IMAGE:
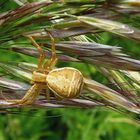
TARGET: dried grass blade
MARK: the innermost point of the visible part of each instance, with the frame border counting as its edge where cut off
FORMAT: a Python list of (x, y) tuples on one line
[(23, 10), (12, 84), (112, 26), (110, 95), (15, 71)]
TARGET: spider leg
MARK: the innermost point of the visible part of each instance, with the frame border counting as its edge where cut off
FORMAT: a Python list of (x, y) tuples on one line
[(29, 97), (34, 91), (47, 93), (52, 61), (41, 53)]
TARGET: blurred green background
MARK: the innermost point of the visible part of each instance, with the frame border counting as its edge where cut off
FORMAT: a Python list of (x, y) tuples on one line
[(69, 123)]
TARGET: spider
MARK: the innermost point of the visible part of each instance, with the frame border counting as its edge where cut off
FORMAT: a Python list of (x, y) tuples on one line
[(66, 82)]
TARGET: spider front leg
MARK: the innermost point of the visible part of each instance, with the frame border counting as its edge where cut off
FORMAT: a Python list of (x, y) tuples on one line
[(41, 53), (29, 97), (52, 61), (34, 91)]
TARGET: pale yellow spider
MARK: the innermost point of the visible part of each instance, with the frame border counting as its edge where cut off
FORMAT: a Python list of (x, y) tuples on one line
[(66, 82)]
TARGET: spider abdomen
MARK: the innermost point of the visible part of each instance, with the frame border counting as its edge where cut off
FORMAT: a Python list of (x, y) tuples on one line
[(66, 82)]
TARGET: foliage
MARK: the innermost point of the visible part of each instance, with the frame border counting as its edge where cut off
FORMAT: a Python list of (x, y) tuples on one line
[(109, 105)]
